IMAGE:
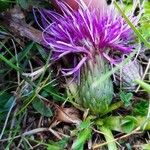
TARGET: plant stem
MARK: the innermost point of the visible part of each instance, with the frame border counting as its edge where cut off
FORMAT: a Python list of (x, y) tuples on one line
[(109, 138)]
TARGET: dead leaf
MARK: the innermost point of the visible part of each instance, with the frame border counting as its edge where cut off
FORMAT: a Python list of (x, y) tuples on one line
[(68, 115)]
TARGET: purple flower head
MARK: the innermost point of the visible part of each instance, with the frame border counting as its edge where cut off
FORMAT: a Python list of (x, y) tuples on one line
[(86, 33)]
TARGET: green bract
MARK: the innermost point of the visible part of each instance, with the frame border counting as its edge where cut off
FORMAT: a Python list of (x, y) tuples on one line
[(96, 97)]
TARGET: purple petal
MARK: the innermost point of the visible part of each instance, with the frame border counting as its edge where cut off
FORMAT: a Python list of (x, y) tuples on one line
[(72, 71)]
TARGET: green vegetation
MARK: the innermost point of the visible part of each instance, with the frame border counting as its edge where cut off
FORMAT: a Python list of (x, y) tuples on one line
[(40, 109)]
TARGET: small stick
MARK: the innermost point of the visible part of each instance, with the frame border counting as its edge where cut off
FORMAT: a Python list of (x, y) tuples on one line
[(16, 24)]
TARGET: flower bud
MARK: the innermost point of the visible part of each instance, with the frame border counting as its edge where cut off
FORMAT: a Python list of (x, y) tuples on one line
[(128, 74), (95, 91)]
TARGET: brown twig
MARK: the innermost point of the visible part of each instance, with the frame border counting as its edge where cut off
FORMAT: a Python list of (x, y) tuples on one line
[(14, 21)]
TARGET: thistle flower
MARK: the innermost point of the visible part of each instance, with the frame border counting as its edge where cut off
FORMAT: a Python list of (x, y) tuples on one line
[(96, 37)]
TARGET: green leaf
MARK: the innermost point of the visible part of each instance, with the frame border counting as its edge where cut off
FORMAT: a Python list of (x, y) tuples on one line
[(50, 89), (144, 85), (4, 97), (42, 52), (83, 134), (6, 101), (21, 55), (128, 124), (127, 2), (140, 108), (53, 147), (8, 62), (145, 19), (127, 5), (109, 138), (136, 31), (126, 98), (9, 102), (81, 139), (60, 145), (146, 146), (41, 108), (4, 4), (85, 124), (23, 3)]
